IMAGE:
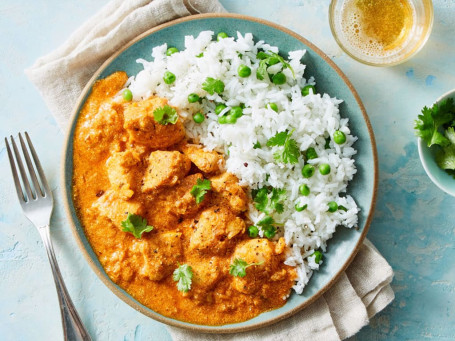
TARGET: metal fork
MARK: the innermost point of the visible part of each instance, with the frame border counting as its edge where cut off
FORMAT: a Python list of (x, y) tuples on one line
[(37, 203)]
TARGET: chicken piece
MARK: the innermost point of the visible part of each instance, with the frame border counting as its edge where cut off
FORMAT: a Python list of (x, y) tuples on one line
[(184, 202), (207, 272), (121, 173), (103, 118), (260, 252), (158, 255), (215, 230), (165, 169), (227, 186), (143, 129), (206, 161), (116, 209)]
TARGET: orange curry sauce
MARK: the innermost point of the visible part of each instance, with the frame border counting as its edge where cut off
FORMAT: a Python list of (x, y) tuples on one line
[(125, 162)]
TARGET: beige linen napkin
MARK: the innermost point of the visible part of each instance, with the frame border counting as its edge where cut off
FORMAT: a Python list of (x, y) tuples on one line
[(361, 292)]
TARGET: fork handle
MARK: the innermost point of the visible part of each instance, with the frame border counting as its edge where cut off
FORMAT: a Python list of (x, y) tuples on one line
[(73, 329)]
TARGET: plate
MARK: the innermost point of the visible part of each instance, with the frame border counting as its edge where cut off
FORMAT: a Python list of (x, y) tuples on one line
[(346, 242)]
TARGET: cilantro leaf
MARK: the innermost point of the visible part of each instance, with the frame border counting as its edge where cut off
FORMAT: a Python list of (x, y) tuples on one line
[(267, 225), (198, 191), (165, 115), (261, 72), (432, 119), (239, 266), (212, 85), (290, 152), (285, 64), (267, 201), (277, 198), (257, 145), (183, 276), (278, 140), (136, 225), (445, 157), (268, 60)]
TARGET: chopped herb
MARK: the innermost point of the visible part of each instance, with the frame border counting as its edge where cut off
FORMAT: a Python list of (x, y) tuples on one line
[(445, 158), (238, 268), (436, 127), (267, 201), (200, 55), (198, 191), (268, 59), (136, 225), (212, 85), (165, 115), (428, 124), (183, 276), (257, 145), (290, 152), (342, 208), (268, 227)]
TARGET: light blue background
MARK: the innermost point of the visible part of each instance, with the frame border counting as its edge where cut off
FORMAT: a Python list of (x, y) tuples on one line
[(413, 227)]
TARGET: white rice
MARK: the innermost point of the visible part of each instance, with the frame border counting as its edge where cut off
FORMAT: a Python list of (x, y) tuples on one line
[(314, 118)]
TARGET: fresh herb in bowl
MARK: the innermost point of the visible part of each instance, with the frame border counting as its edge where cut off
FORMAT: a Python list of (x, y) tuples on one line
[(436, 126)]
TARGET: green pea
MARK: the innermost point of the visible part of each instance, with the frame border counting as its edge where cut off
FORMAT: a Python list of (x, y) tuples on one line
[(339, 137), (270, 232), (306, 90), (221, 35), (193, 98), (317, 256), (169, 77), (231, 119), (273, 106), (308, 171), (127, 95), (279, 78), (324, 168), (219, 108), (171, 50), (253, 231), (243, 71), (198, 117), (300, 207), (311, 153), (304, 189), (273, 60), (262, 55), (222, 119), (237, 112), (333, 206)]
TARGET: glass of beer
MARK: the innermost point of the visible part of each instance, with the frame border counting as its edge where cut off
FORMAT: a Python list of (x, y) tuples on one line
[(381, 32)]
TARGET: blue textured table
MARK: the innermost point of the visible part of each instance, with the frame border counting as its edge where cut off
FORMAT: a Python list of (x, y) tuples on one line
[(413, 224)]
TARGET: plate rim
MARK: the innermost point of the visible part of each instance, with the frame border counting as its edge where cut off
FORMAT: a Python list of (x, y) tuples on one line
[(103, 276)]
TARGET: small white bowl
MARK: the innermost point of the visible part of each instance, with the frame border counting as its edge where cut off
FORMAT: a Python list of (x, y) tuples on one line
[(427, 156)]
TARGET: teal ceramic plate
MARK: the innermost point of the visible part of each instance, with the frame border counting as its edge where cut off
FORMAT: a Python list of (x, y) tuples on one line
[(346, 242)]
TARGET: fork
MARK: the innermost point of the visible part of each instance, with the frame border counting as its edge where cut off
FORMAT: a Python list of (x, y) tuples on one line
[(37, 203)]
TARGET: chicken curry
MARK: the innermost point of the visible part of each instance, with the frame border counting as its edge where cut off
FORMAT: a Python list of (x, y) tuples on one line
[(166, 223)]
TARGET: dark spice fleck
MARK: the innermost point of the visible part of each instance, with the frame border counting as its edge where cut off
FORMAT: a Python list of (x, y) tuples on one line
[(246, 164), (99, 193)]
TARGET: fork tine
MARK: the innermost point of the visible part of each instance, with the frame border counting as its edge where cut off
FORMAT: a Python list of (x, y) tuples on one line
[(47, 190), (17, 183), (28, 189), (31, 170)]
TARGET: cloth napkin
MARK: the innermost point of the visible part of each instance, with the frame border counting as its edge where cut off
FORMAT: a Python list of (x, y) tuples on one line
[(361, 291)]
